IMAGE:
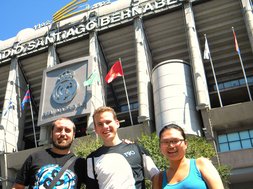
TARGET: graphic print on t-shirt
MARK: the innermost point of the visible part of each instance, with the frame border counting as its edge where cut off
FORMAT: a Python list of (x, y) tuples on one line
[(47, 173)]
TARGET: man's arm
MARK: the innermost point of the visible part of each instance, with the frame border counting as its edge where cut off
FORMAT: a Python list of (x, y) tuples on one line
[(23, 174), (150, 168), (18, 186)]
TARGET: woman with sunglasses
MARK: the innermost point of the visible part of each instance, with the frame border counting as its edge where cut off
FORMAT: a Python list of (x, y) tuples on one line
[(183, 173)]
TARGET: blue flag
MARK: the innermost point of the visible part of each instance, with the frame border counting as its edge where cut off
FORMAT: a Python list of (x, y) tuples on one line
[(26, 99)]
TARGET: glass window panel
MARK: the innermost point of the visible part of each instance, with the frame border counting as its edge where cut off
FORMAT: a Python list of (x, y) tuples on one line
[(221, 86), (214, 88), (235, 83), (244, 134), (235, 145), (233, 136), (251, 133), (242, 81), (246, 144), (124, 108), (231, 84), (227, 85), (224, 147), (222, 138), (250, 79), (135, 105)]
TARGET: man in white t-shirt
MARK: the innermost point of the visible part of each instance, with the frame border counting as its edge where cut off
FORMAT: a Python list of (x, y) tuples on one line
[(109, 166)]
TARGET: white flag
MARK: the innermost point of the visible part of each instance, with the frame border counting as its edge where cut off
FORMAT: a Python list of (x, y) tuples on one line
[(206, 51), (10, 107), (91, 79)]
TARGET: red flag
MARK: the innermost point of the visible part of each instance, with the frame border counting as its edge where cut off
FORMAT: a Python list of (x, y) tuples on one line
[(115, 71), (236, 43)]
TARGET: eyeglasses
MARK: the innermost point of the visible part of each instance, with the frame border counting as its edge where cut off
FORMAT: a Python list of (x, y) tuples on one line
[(173, 142)]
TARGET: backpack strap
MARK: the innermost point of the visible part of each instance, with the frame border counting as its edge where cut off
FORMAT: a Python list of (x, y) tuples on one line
[(157, 181), (160, 179), (58, 176), (142, 164), (93, 168)]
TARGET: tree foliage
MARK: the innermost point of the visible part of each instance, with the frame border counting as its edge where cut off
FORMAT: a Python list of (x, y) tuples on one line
[(85, 146)]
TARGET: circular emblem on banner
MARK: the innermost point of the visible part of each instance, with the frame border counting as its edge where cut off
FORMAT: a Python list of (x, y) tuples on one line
[(65, 87)]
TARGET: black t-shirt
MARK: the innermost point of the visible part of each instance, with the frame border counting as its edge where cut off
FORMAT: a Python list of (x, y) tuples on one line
[(41, 167)]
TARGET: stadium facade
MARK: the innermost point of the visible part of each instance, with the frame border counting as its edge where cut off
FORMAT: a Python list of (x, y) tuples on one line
[(160, 44)]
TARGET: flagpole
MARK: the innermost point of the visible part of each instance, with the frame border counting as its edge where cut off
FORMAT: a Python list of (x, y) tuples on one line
[(211, 62), (31, 108), (239, 55), (129, 110)]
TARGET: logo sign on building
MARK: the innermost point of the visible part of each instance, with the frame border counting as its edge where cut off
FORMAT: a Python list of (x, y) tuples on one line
[(73, 8), (63, 93)]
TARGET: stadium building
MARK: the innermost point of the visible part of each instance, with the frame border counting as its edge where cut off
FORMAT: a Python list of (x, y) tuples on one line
[(160, 44)]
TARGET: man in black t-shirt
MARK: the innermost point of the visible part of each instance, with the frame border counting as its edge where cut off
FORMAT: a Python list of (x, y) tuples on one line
[(116, 165), (41, 167)]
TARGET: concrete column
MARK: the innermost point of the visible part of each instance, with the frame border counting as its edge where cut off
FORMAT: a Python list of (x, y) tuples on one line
[(199, 78), (248, 19), (96, 89), (52, 59), (12, 121), (11, 110), (4, 171), (210, 134), (21, 85), (144, 67)]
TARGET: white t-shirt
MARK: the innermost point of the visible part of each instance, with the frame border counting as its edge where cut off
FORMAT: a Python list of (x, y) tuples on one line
[(114, 166)]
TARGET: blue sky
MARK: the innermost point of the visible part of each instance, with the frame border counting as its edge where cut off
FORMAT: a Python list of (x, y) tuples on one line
[(16, 15)]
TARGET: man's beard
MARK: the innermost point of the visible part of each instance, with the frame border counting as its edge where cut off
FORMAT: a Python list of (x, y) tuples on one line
[(62, 147)]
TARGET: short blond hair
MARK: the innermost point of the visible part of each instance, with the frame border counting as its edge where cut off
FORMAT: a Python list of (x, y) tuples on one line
[(103, 109)]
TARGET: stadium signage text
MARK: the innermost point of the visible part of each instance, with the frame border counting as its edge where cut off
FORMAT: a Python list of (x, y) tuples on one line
[(82, 28), (62, 110)]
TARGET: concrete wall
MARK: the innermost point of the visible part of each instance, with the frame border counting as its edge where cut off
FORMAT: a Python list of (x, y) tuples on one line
[(241, 162), (237, 159)]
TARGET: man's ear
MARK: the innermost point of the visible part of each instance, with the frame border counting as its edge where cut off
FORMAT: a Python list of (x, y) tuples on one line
[(117, 122), (95, 128), (51, 137)]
